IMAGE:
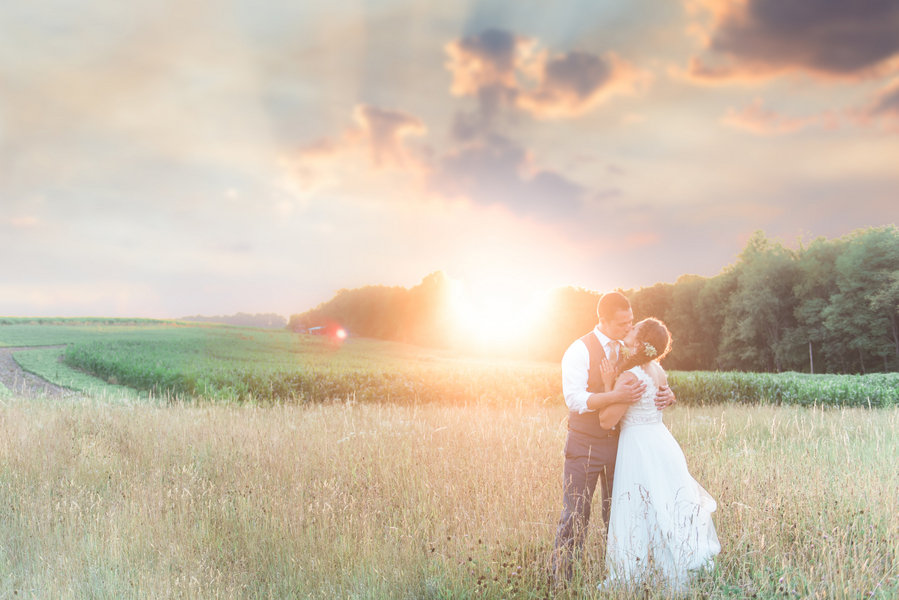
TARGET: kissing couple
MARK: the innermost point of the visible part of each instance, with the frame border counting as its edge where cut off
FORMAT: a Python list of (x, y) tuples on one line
[(657, 518)]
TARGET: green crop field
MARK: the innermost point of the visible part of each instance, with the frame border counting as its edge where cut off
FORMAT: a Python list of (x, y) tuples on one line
[(705, 387), (174, 360), (179, 360)]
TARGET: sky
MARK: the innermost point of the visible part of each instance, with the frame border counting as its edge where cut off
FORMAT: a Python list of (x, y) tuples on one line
[(163, 159)]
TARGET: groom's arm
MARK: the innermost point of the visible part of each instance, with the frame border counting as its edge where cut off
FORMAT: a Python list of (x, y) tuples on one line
[(664, 397), (575, 364)]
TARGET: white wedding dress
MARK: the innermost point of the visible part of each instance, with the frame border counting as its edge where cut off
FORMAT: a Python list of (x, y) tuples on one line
[(661, 527)]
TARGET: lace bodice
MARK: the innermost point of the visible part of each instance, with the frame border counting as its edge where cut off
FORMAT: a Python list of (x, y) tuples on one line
[(644, 410)]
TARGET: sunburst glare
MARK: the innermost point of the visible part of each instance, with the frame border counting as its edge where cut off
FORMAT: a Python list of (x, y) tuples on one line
[(493, 315)]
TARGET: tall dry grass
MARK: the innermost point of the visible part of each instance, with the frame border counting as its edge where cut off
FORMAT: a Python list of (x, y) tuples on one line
[(99, 500)]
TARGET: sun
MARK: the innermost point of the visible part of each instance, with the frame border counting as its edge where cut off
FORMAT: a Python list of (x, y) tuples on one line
[(489, 316)]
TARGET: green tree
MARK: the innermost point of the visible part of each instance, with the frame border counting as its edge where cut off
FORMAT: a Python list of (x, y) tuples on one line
[(695, 337), (862, 315), (760, 311), (815, 285), (653, 301), (712, 309), (371, 311), (836, 301), (428, 311)]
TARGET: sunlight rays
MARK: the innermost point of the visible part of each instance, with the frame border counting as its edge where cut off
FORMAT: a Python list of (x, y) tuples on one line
[(491, 315)]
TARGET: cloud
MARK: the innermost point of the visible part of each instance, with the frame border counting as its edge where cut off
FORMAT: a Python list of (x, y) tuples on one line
[(383, 131), (825, 38), (504, 70), (882, 109), (490, 59), (486, 66), (758, 119), (496, 170), (887, 102), (507, 74), (573, 83), (378, 134), (488, 169)]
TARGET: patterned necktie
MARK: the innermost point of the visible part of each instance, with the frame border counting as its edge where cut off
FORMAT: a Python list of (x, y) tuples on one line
[(613, 351)]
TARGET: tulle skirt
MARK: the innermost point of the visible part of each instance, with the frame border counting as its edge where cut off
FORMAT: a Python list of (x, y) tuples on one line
[(661, 530)]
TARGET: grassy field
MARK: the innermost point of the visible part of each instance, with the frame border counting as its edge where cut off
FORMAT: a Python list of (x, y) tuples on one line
[(350, 500), (400, 473)]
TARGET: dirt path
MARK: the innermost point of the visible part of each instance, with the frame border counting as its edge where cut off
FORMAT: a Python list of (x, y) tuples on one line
[(23, 383)]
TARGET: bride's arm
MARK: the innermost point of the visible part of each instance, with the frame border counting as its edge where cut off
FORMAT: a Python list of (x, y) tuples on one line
[(626, 392), (611, 414)]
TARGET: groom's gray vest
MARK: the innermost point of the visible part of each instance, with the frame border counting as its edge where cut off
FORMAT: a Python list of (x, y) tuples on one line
[(588, 422)]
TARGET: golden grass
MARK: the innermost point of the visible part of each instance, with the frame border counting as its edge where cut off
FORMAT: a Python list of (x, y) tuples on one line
[(103, 500)]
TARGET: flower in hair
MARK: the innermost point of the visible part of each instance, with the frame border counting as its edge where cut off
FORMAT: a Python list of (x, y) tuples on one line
[(649, 350)]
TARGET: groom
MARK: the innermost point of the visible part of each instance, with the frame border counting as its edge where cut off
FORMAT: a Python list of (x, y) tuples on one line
[(590, 450)]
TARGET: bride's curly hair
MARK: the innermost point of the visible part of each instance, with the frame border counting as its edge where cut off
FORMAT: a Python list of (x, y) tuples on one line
[(653, 343)]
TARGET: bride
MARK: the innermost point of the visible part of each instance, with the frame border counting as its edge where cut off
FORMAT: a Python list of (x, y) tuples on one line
[(661, 526)]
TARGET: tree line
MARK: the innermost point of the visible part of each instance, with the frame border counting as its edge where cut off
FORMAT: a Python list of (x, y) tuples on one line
[(829, 306)]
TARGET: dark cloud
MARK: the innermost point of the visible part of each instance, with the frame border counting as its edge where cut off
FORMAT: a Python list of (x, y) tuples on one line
[(837, 38), (504, 70), (572, 83), (578, 72), (507, 74), (490, 60), (494, 47), (467, 126), (495, 171), (485, 66), (493, 101)]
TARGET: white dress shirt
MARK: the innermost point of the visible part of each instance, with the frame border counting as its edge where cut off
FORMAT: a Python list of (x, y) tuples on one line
[(575, 367)]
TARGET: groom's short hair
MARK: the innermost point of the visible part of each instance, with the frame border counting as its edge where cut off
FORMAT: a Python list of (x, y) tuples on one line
[(610, 303)]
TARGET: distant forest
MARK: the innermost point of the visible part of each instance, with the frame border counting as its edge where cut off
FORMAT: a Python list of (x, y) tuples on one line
[(830, 306), (264, 320)]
